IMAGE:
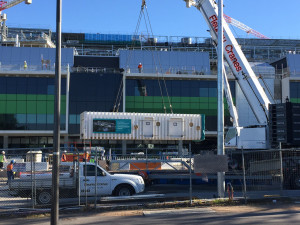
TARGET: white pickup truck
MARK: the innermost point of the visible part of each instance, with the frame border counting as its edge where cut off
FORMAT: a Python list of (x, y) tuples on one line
[(78, 182)]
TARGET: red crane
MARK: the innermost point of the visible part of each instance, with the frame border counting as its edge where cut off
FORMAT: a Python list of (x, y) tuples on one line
[(244, 27), (10, 3)]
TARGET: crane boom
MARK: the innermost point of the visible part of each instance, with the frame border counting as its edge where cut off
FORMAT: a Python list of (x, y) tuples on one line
[(244, 27), (10, 3)]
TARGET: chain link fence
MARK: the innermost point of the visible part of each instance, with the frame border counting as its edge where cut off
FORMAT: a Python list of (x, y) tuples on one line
[(84, 178)]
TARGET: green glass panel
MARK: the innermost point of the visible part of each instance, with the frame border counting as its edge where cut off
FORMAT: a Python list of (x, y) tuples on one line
[(130, 109), (2, 107), (31, 107), (148, 99), (41, 97), (21, 97), (185, 105), (21, 107), (63, 98), (157, 99), (194, 105), (139, 105), (139, 99), (2, 96), (130, 98), (203, 105), (194, 99), (213, 105), (50, 107), (176, 99), (176, 105), (158, 105), (11, 107), (63, 107), (203, 99), (50, 97), (11, 97), (129, 104), (213, 99), (148, 105), (31, 97), (42, 107)]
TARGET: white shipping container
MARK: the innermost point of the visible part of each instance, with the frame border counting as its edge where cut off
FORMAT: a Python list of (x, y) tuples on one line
[(141, 126)]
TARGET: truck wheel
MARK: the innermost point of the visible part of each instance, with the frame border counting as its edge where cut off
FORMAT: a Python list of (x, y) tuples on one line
[(44, 197), (124, 190)]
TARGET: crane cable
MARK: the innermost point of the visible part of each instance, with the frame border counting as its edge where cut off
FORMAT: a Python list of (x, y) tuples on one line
[(119, 96), (160, 66)]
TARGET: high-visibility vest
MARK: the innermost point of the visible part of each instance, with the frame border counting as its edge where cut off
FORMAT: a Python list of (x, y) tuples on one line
[(1, 158)]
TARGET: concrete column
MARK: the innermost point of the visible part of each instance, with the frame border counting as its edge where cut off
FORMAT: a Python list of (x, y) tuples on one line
[(5, 141), (180, 146)]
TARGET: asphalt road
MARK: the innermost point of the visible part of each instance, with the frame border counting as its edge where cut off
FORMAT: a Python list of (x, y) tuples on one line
[(207, 216)]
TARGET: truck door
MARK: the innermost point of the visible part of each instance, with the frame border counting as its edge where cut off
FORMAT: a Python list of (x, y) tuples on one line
[(87, 181)]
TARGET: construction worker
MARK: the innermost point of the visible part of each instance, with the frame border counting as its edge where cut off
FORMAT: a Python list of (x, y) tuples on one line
[(140, 67), (64, 156), (10, 173), (85, 156), (2, 159), (25, 65)]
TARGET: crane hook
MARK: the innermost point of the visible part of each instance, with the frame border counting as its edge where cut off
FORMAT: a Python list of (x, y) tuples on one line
[(143, 3)]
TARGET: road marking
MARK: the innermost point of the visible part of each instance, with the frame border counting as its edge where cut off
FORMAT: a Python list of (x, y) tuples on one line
[(177, 212)]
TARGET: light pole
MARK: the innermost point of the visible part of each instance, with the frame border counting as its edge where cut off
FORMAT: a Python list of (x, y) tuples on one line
[(221, 175), (56, 131)]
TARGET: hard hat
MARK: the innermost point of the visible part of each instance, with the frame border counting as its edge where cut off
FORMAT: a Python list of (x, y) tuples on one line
[(3, 152), (140, 63), (12, 161)]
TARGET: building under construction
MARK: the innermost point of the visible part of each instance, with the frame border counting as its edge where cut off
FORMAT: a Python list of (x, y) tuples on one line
[(100, 73)]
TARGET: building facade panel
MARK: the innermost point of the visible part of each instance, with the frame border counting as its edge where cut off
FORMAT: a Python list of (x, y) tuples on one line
[(27, 103)]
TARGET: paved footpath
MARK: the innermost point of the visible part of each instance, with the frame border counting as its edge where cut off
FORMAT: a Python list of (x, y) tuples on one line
[(272, 213)]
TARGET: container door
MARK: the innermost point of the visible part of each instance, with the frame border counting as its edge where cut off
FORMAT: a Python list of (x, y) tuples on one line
[(148, 127), (176, 127)]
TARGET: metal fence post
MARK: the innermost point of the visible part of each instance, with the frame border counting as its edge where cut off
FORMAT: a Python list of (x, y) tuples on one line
[(96, 175), (78, 176), (190, 151), (244, 176), (34, 183), (85, 175), (31, 178), (281, 170)]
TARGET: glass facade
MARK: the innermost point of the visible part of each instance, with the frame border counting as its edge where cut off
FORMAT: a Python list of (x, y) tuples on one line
[(27, 103), (92, 92), (295, 92), (186, 96)]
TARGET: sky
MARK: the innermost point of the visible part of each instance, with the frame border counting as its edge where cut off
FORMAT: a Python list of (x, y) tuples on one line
[(273, 18)]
